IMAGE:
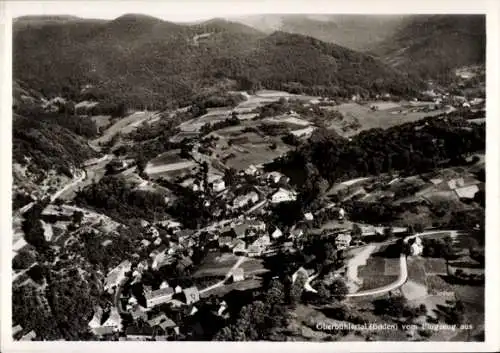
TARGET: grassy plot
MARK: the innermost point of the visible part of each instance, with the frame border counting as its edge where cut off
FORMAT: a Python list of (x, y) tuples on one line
[(216, 264), (373, 274), (254, 154), (392, 267), (416, 269), (168, 157), (435, 266), (436, 285)]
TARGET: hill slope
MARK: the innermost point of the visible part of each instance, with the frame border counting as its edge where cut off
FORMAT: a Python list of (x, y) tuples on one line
[(431, 46), (357, 32), (144, 60)]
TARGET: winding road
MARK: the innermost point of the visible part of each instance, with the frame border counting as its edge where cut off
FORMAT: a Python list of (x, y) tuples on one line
[(403, 273), (241, 259), (403, 276)]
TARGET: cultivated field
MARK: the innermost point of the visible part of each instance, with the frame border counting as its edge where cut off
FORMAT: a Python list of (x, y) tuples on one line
[(391, 114), (169, 157), (125, 126)]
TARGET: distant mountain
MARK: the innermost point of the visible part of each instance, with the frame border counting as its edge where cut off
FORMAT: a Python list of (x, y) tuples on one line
[(144, 60), (431, 46), (358, 32)]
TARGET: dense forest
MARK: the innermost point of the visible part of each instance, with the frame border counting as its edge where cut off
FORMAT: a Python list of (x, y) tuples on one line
[(431, 46), (50, 142), (409, 148), (114, 197), (142, 68)]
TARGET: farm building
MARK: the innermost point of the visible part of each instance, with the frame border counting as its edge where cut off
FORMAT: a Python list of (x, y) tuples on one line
[(416, 248), (243, 200), (218, 185), (238, 275), (342, 241), (192, 295), (277, 233), (467, 192), (30, 336)]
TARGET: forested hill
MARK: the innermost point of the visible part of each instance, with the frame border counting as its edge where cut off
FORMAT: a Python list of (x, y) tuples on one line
[(430, 46), (144, 60), (410, 148)]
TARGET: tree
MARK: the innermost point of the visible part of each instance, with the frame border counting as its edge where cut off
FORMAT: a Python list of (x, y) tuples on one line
[(230, 176), (356, 231), (338, 289), (77, 217), (297, 288), (388, 233), (323, 294), (418, 228)]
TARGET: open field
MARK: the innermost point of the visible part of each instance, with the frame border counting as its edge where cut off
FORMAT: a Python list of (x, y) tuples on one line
[(438, 286), (101, 121), (392, 267), (375, 266), (166, 168), (293, 121), (359, 257), (249, 153), (246, 284), (213, 115), (252, 265), (392, 114), (416, 269), (435, 266), (373, 282), (125, 125), (168, 157), (216, 264)]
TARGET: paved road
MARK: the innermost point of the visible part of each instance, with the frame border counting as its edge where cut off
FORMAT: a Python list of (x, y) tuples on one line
[(403, 273), (403, 276), (75, 182)]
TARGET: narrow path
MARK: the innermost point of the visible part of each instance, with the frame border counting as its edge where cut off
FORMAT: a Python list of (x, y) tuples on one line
[(75, 182), (241, 259)]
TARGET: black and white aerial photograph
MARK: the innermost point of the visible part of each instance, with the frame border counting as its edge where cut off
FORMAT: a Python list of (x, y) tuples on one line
[(306, 177)]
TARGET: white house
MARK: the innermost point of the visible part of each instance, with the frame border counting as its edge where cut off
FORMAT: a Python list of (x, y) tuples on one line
[(308, 216), (341, 213), (243, 200), (277, 233), (283, 195), (274, 176), (251, 170), (218, 185), (416, 248), (342, 241)]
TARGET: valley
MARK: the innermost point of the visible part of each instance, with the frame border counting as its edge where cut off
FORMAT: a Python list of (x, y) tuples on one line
[(250, 179)]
